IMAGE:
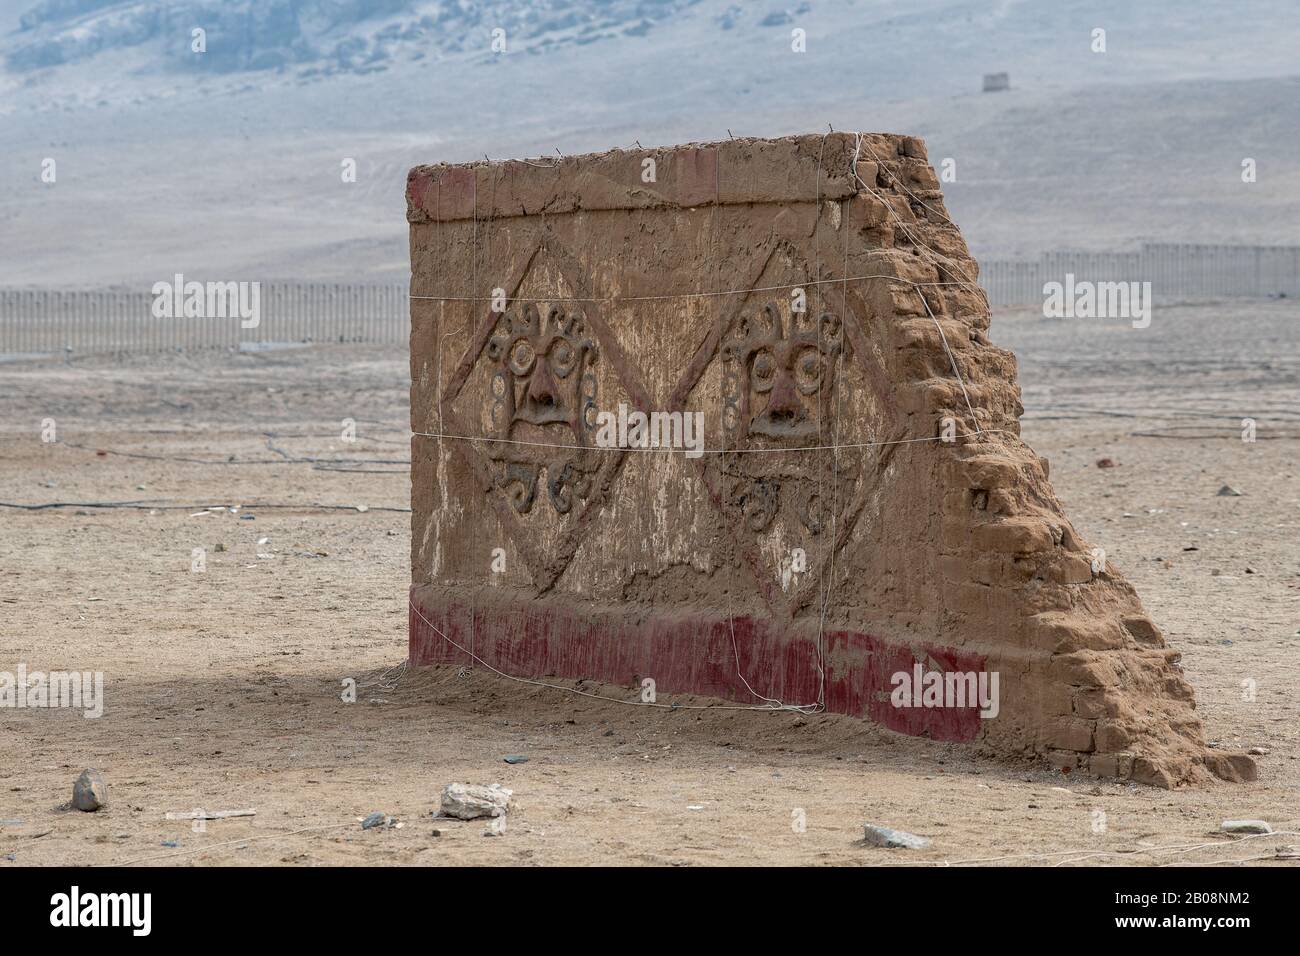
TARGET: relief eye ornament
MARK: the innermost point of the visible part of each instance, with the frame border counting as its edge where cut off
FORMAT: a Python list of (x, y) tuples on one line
[(522, 357), (763, 371), (808, 371), (563, 357)]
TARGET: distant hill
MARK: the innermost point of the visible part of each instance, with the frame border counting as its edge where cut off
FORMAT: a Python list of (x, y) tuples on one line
[(311, 37), (227, 162)]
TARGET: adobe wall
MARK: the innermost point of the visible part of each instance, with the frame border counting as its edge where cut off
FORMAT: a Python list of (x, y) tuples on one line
[(863, 503)]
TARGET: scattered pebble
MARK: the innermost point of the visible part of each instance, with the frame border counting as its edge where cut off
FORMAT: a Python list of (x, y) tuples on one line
[(469, 801), (1258, 751), (378, 819), (1105, 462), (515, 758), (1227, 491), (899, 839), (1245, 826), (90, 791)]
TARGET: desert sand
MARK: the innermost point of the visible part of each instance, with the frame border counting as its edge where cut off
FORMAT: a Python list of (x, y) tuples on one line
[(223, 688)]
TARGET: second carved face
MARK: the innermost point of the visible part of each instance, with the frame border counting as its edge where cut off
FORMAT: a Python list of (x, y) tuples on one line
[(544, 371), (779, 373)]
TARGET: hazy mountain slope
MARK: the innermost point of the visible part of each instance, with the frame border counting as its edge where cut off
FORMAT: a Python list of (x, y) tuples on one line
[(223, 169), (311, 36), (920, 47)]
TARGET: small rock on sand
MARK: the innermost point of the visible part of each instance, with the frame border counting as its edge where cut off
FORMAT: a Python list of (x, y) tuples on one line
[(1227, 491), (90, 791), (469, 801), (901, 839), (1245, 826)]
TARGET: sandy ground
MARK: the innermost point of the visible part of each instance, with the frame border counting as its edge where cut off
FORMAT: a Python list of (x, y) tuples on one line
[(223, 687)]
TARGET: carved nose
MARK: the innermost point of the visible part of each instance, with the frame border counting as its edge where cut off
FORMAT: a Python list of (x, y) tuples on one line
[(542, 392), (783, 405)]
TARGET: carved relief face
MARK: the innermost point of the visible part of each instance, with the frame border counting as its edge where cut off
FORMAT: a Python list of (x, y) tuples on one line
[(544, 372), (777, 384), (780, 373), (543, 398)]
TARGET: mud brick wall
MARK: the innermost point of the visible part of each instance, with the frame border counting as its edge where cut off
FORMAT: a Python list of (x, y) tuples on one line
[(863, 505)]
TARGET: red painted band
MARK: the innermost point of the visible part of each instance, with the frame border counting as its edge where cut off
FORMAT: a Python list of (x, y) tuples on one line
[(692, 654)]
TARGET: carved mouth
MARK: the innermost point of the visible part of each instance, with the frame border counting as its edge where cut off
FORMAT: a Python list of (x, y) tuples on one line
[(553, 431), (542, 413), (782, 424)]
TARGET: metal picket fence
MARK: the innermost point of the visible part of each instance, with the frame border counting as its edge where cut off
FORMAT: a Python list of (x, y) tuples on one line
[(47, 321), (1175, 271), (118, 320)]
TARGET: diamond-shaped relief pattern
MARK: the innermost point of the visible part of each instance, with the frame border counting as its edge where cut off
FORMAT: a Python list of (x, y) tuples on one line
[(792, 498), (533, 388)]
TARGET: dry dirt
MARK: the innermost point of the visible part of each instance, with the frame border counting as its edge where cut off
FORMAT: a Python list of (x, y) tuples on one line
[(223, 687)]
